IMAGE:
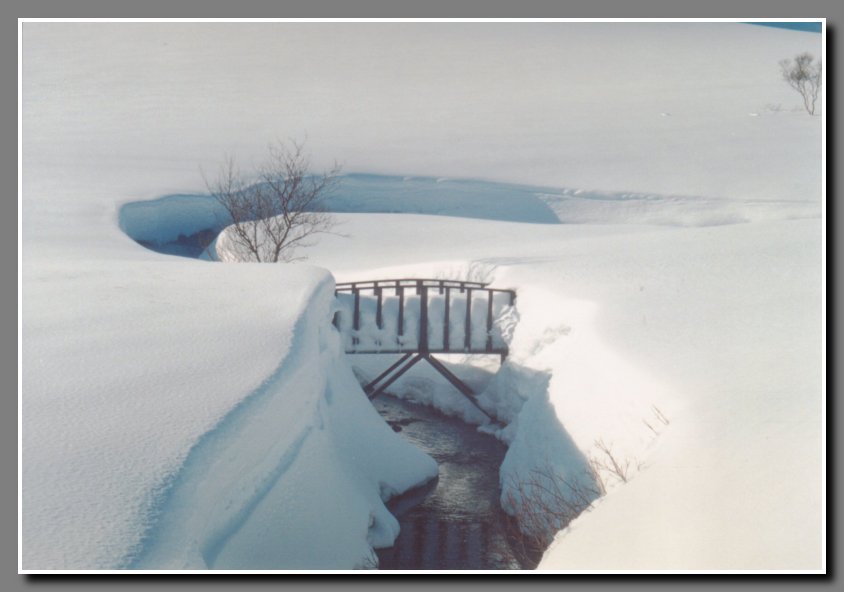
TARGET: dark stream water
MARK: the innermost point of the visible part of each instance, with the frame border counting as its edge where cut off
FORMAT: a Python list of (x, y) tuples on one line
[(454, 522)]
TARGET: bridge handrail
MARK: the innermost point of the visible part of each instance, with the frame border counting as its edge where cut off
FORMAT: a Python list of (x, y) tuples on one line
[(410, 283), (423, 287)]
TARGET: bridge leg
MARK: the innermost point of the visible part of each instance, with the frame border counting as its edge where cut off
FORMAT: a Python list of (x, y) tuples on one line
[(396, 375), (461, 386), (368, 388), (405, 363)]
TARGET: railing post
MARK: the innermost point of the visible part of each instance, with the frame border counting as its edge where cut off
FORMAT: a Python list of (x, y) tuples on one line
[(400, 292), (378, 320), (468, 337), (423, 318), (447, 320), (489, 320), (356, 322)]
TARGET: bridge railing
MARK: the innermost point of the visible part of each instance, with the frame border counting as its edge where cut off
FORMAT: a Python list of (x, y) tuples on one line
[(422, 315)]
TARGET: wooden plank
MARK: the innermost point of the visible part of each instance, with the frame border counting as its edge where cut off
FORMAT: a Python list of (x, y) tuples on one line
[(356, 321), (400, 290), (467, 340), (489, 294), (379, 322), (423, 320), (446, 336)]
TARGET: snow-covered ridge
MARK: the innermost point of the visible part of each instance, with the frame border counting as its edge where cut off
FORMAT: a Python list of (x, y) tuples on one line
[(301, 456), (166, 223), (593, 207), (180, 458)]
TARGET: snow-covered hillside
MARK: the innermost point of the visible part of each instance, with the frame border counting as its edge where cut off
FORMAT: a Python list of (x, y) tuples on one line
[(662, 223)]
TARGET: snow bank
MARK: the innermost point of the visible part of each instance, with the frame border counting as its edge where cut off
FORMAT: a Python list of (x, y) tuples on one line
[(163, 220), (582, 207), (140, 452), (692, 354), (303, 456), (359, 193), (730, 322), (578, 402)]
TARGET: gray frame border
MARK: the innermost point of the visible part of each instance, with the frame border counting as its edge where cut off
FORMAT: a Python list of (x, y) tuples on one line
[(14, 9)]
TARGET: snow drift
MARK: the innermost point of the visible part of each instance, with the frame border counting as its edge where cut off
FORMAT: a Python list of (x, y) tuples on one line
[(185, 463), (303, 455)]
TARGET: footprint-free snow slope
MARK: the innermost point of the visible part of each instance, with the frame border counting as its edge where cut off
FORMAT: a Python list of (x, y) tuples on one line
[(130, 358)]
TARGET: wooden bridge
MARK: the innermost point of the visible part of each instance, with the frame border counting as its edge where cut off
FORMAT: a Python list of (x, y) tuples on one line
[(417, 318)]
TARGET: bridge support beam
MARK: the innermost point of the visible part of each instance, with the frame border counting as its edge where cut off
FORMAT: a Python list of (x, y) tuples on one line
[(369, 388), (394, 372)]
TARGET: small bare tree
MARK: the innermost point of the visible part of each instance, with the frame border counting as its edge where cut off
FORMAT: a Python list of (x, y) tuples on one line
[(280, 209), (804, 76), (541, 503)]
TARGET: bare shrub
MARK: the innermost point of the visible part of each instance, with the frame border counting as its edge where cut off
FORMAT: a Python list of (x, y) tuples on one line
[(607, 465), (477, 271), (369, 562), (542, 503), (804, 76), (660, 415), (645, 421), (274, 212)]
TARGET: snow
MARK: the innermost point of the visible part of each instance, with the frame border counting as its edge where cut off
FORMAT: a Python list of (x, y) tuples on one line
[(663, 227), (135, 415), (717, 328), (304, 465), (370, 338), (162, 220)]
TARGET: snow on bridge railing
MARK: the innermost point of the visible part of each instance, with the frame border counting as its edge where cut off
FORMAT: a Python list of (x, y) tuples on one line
[(388, 316)]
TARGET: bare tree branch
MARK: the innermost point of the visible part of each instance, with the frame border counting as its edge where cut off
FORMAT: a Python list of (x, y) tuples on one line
[(804, 76), (280, 211)]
